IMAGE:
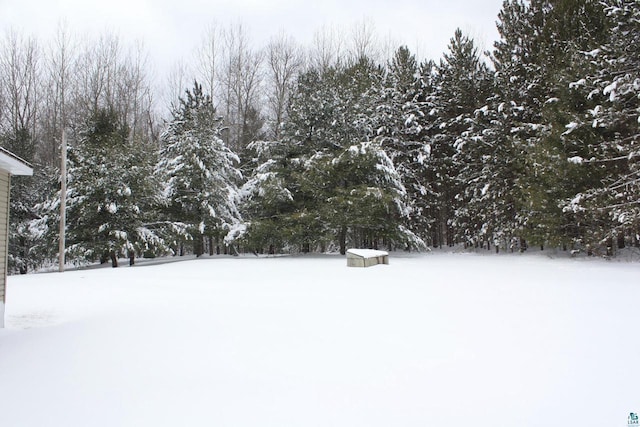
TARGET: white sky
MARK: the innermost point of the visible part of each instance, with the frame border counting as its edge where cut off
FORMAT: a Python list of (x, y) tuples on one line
[(172, 29)]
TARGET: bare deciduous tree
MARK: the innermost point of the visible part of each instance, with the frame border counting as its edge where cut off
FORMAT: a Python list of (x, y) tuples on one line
[(95, 75), (363, 42), (389, 45), (19, 83), (207, 59), (178, 80), (61, 62), (241, 83), (327, 48), (111, 76), (133, 99), (285, 59)]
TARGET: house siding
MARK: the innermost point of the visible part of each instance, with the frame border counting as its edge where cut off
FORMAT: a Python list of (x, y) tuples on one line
[(5, 184)]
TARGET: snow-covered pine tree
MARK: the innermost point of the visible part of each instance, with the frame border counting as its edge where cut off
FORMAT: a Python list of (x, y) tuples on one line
[(41, 230), (267, 203), (566, 28), (491, 151), (486, 204), (110, 188), (401, 122), (527, 117), (368, 206), (309, 131), (200, 171), (328, 165), (611, 206), (24, 196), (461, 87)]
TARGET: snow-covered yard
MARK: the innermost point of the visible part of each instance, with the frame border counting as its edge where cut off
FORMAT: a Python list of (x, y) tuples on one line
[(430, 340)]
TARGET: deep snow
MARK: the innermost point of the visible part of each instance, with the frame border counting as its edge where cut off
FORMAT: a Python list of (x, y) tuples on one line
[(430, 340)]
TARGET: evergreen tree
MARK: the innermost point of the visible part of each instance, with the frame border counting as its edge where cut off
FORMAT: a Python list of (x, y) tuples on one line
[(23, 197), (41, 230), (367, 206), (461, 87), (526, 120), (329, 182), (402, 119), (487, 204), (110, 187), (201, 172), (309, 131), (343, 165), (609, 208), (568, 28), (514, 117), (266, 200)]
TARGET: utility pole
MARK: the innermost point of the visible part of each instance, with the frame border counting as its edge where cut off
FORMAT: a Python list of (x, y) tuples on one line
[(63, 46)]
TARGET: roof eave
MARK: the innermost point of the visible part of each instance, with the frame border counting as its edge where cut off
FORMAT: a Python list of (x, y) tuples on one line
[(14, 164)]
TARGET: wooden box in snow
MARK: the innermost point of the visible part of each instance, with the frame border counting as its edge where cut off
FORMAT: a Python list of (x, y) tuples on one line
[(366, 257)]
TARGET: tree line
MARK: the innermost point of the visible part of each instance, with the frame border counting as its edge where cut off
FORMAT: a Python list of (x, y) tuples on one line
[(287, 149)]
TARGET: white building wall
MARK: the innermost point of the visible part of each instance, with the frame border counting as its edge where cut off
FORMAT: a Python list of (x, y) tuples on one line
[(5, 185)]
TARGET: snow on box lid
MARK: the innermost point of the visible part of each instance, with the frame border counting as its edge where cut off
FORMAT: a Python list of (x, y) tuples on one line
[(367, 253)]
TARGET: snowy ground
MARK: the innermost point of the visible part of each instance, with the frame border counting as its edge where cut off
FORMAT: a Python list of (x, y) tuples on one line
[(433, 340)]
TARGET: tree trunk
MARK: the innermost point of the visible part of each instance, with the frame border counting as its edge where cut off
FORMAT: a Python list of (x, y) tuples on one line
[(234, 251), (523, 245), (210, 245), (114, 259), (198, 245), (23, 256), (342, 237), (132, 258)]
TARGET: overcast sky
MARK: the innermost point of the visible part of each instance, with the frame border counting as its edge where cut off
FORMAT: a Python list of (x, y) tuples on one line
[(171, 29)]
